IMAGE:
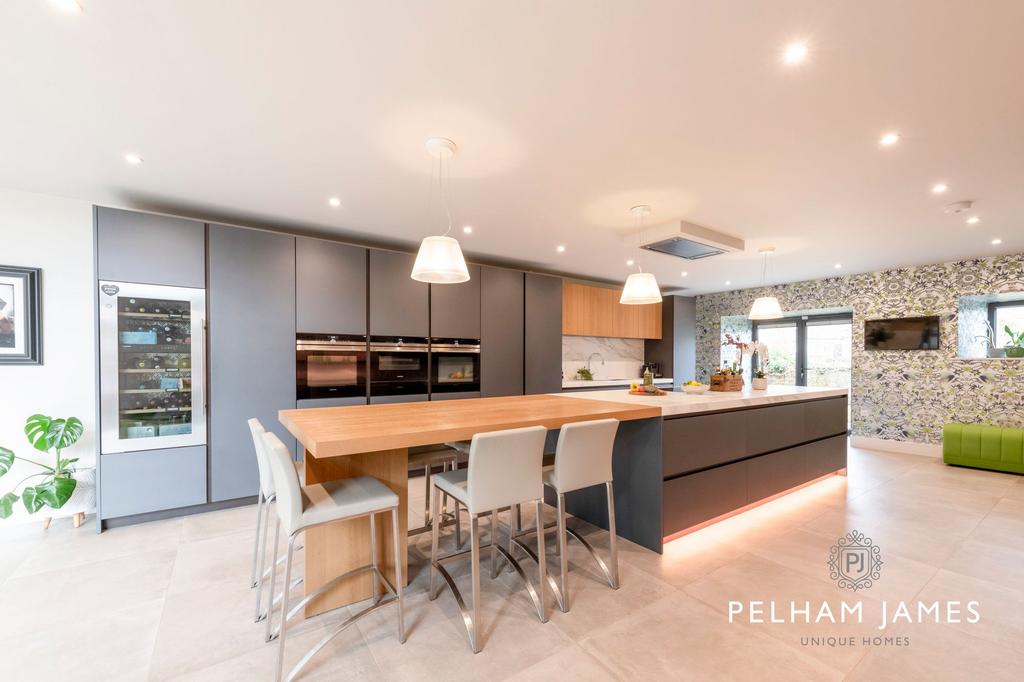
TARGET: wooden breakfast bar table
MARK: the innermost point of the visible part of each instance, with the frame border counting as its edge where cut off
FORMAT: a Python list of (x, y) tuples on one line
[(374, 440)]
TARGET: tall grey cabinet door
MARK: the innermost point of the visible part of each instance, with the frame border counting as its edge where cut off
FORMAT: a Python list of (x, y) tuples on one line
[(330, 287), (399, 305), (501, 332), (150, 249), (543, 334), (252, 349), (455, 308)]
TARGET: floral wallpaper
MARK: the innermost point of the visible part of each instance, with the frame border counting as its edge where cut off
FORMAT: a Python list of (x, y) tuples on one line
[(897, 395)]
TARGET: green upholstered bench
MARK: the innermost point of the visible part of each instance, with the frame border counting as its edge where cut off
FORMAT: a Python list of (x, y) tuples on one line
[(984, 447)]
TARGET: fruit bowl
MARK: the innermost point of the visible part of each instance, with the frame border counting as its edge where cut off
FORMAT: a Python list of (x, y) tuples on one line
[(695, 389)]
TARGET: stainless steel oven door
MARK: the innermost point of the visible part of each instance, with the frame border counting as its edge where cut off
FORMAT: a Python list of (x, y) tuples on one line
[(454, 368), (329, 367), (398, 369)]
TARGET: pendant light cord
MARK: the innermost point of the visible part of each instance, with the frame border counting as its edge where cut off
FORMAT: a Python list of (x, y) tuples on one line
[(441, 193)]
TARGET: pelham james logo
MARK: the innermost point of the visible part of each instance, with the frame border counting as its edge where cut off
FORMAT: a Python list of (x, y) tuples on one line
[(855, 562)]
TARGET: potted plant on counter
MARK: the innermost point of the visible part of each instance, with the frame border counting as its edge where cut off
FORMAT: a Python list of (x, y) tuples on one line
[(1015, 348), (55, 483), (760, 381)]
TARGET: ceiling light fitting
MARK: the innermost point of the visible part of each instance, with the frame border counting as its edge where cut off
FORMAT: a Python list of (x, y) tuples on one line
[(795, 53), (641, 288), (765, 307), (132, 159), (889, 139), (440, 260)]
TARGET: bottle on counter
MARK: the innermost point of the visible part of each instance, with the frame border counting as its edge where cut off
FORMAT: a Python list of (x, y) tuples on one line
[(648, 377)]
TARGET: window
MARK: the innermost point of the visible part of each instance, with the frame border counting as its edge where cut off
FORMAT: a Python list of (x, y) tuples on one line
[(1006, 313)]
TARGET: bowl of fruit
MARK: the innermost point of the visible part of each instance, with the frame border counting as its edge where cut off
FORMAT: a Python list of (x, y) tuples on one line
[(694, 387)]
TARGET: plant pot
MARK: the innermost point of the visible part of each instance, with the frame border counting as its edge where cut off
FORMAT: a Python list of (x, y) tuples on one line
[(759, 384), (1015, 351)]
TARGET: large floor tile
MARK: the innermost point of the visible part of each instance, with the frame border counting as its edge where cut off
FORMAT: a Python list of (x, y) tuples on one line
[(1001, 607), (682, 638)]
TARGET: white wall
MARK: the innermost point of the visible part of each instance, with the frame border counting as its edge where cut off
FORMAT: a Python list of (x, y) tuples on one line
[(56, 235)]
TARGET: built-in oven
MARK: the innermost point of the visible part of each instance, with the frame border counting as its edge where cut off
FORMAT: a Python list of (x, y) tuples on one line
[(330, 366), (454, 365), (398, 366)]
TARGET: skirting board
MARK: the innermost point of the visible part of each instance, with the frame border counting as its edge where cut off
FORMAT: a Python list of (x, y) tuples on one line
[(907, 447)]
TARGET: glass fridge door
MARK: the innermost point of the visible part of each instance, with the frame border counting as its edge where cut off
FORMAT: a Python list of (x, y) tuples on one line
[(151, 366)]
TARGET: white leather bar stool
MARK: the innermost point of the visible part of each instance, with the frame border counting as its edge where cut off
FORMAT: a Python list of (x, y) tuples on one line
[(583, 458), (505, 468), (300, 507), (264, 498)]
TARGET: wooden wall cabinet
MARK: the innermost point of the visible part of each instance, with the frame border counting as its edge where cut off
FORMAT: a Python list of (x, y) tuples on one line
[(596, 311)]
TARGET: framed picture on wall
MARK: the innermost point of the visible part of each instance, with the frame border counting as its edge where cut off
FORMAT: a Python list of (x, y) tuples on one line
[(21, 324)]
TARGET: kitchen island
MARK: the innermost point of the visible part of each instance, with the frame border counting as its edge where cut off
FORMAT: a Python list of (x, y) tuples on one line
[(374, 440), (720, 453)]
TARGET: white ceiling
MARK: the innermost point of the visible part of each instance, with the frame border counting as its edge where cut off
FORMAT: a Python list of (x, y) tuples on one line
[(566, 114)]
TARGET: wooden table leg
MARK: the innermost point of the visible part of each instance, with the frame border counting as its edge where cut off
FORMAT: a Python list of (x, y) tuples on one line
[(334, 548)]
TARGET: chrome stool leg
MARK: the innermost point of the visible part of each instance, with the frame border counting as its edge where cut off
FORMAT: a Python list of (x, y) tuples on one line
[(426, 493), (399, 577), (373, 559), (563, 557), (613, 542)]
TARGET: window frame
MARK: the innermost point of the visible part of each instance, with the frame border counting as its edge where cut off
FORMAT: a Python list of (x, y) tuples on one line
[(993, 308)]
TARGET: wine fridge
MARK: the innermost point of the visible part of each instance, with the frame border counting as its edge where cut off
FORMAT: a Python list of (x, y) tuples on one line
[(151, 366)]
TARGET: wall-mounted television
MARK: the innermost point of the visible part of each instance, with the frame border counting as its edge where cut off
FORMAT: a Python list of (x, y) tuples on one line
[(902, 333)]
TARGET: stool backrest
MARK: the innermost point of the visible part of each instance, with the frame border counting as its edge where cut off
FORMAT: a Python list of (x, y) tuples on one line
[(505, 467), (266, 479), (286, 481), (583, 456)]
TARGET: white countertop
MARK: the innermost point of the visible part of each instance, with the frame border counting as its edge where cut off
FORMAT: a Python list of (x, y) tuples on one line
[(580, 383), (676, 403)]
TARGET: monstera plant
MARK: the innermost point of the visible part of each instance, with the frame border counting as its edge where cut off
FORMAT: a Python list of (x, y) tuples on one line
[(57, 482)]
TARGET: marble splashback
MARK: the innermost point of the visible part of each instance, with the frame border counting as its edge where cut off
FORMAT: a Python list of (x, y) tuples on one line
[(622, 358)]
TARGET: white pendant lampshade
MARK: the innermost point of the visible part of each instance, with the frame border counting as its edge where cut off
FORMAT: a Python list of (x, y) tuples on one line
[(641, 288), (440, 261), (765, 308)]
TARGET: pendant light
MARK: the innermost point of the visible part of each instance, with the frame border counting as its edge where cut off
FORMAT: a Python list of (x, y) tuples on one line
[(641, 287), (765, 307), (440, 260)]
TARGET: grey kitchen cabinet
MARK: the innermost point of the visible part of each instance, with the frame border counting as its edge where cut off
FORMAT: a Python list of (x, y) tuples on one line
[(501, 332), (149, 249), (455, 308), (151, 480), (330, 287), (542, 334), (399, 305), (251, 324)]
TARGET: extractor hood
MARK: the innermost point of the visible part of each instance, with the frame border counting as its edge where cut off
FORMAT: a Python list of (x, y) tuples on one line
[(684, 240)]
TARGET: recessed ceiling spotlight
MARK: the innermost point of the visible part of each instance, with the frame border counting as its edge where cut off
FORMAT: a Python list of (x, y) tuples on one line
[(728, 282), (973, 220), (794, 53), (335, 202), (629, 262), (939, 188), (66, 6), (838, 266), (889, 139), (997, 241), (133, 159), (684, 273), (468, 229), (560, 248)]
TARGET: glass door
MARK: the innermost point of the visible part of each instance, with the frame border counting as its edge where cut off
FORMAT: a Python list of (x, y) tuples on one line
[(811, 350), (781, 338), (151, 367)]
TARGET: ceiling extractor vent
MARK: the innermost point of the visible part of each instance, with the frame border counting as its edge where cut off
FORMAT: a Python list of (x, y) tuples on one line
[(685, 240)]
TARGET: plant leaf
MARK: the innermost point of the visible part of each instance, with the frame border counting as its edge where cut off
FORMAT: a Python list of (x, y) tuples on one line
[(30, 499), (36, 429), (63, 433), (6, 460), (7, 505), (56, 492)]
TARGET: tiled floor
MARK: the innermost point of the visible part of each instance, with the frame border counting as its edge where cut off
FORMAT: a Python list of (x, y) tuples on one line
[(168, 600)]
